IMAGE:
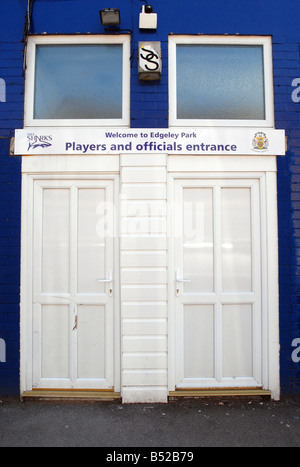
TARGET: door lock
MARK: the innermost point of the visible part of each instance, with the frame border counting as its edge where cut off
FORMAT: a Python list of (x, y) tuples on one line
[(180, 279), (107, 281)]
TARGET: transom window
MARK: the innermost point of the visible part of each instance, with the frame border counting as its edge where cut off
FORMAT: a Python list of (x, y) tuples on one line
[(78, 81), (221, 81)]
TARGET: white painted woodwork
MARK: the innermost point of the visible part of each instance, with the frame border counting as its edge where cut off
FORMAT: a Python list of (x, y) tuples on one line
[(144, 278), (151, 328), (74, 315), (223, 325), (218, 313)]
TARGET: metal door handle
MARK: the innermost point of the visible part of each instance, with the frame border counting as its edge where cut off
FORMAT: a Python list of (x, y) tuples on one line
[(180, 279)]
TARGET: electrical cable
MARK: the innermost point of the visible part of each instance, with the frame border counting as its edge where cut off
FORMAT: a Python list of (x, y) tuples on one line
[(27, 30)]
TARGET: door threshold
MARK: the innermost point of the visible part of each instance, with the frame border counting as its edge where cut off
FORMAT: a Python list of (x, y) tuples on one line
[(218, 392), (71, 395)]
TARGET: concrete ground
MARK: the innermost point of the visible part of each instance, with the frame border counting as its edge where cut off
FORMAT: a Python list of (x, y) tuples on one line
[(179, 424)]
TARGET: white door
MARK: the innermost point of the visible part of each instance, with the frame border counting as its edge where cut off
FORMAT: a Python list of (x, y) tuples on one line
[(217, 277), (74, 284)]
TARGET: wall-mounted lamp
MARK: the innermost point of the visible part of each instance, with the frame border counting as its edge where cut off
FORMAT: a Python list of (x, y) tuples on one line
[(148, 9), (110, 17), (148, 19)]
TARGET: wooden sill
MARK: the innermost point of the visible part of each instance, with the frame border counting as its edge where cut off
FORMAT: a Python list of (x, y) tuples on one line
[(71, 394)]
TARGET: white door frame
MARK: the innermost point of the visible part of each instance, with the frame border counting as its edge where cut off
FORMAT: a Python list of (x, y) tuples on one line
[(53, 168), (264, 170)]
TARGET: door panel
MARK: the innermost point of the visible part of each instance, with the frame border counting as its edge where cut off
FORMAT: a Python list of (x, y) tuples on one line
[(198, 252), (217, 261), (198, 340), (55, 235), (236, 240), (91, 245), (91, 341), (237, 350), (55, 325), (73, 309)]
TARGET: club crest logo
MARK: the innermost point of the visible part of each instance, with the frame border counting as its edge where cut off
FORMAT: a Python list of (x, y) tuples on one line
[(260, 142), (35, 141), (149, 59)]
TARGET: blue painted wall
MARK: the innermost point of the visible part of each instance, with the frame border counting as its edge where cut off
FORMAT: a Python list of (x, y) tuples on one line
[(12, 15), (149, 108)]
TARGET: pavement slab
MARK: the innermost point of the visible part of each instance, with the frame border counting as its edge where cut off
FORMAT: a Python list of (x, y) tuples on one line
[(181, 423)]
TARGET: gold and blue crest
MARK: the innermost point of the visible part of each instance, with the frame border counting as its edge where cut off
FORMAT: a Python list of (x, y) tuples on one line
[(260, 141)]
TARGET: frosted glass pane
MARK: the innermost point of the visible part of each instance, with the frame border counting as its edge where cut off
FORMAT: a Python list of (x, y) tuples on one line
[(220, 82), (91, 246), (237, 341), (199, 341), (78, 82), (198, 240), (55, 240), (55, 341), (236, 240)]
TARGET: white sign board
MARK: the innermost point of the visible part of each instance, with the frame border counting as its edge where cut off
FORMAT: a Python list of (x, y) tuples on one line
[(179, 141)]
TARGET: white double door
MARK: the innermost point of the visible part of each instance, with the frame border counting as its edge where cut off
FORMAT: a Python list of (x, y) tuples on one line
[(74, 312), (217, 268), (217, 283)]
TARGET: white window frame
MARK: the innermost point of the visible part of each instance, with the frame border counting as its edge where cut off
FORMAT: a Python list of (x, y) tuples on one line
[(33, 41), (265, 41)]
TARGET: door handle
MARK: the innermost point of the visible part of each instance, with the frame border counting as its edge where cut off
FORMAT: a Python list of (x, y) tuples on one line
[(109, 279), (180, 279)]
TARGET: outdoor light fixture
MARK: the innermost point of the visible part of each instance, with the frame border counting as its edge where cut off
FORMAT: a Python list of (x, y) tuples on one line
[(148, 9), (110, 17), (148, 19)]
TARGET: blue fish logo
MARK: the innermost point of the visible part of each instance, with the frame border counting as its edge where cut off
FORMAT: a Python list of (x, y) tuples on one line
[(38, 141), (39, 145)]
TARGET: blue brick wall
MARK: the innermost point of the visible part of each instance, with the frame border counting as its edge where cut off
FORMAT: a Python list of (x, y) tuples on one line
[(10, 199), (287, 116), (149, 108), (11, 117)]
